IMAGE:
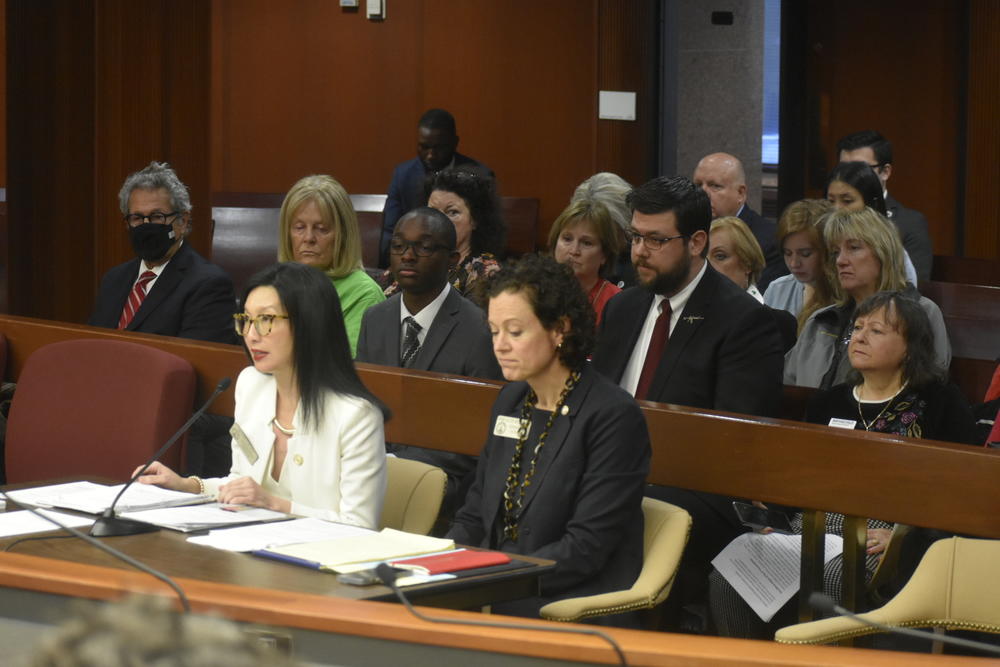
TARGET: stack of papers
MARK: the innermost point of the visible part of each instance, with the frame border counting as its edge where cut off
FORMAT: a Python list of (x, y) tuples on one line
[(95, 498), (344, 554), (262, 536), (24, 522), (190, 518)]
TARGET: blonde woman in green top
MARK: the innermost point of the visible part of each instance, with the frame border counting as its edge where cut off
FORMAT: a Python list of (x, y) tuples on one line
[(318, 227)]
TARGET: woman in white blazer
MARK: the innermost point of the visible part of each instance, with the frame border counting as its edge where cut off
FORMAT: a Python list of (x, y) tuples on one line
[(308, 437)]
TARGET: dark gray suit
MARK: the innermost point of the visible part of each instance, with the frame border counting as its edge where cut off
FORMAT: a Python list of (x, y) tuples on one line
[(458, 342), (912, 226)]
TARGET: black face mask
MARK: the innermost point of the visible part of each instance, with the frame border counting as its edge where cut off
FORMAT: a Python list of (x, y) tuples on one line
[(151, 241)]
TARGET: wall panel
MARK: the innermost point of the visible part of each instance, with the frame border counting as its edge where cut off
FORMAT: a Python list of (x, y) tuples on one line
[(982, 167), (904, 82), (308, 87)]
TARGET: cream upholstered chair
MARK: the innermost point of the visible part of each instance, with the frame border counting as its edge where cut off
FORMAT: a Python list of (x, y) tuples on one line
[(413, 495), (954, 587), (664, 537)]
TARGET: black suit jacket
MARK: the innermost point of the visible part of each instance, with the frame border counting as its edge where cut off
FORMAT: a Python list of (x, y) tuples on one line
[(458, 341), (192, 298), (406, 192), (725, 352), (766, 233), (583, 508), (912, 226)]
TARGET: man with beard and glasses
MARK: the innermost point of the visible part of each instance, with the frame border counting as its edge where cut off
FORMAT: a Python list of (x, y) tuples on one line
[(688, 335)]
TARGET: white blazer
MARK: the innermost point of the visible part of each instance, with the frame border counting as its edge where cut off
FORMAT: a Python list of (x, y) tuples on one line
[(336, 472)]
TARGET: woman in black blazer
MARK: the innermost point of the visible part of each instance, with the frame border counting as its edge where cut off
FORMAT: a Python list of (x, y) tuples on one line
[(562, 473)]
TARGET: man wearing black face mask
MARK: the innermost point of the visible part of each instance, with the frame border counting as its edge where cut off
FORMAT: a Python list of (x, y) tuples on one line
[(168, 289)]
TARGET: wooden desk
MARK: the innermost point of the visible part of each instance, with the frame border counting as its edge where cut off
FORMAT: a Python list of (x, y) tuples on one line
[(34, 596), (169, 552)]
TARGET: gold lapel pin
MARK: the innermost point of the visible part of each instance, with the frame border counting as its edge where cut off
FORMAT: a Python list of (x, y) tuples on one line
[(692, 318)]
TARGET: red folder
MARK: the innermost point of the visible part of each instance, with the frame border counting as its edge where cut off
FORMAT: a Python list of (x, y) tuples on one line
[(453, 561)]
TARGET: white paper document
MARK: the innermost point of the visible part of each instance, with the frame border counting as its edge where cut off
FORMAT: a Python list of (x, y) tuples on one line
[(95, 498), (764, 569), (261, 536), (24, 522), (202, 517)]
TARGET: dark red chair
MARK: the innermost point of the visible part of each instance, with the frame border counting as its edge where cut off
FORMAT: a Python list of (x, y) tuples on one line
[(96, 407)]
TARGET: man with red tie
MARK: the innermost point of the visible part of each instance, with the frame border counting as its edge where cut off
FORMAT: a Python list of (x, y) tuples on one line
[(688, 335), (168, 289)]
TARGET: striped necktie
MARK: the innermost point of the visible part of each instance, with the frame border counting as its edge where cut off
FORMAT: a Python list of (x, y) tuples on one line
[(411, 343), (135, 299)]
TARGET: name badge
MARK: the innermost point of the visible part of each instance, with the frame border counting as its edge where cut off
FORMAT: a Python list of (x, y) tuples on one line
[(837, 422), (507, 427), (243, 442)]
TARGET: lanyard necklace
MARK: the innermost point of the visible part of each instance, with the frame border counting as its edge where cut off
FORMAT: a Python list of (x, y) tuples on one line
[(513, 495)]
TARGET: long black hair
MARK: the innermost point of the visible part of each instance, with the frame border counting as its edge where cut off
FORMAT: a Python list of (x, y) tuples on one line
[(861, 177), (321, 352)]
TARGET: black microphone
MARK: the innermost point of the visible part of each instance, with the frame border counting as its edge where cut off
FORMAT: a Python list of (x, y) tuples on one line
[(114, 552), (823, 603), (388, 576), (110, 525)]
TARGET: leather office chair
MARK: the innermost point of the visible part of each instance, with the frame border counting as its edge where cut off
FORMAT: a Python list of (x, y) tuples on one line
[(664, 537), (413, 495), (954, 587), (96, 408)]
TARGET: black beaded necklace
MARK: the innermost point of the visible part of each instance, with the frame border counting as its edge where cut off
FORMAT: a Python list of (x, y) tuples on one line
[(513, 495)]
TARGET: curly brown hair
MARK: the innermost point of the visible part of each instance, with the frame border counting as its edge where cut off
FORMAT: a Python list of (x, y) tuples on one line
[(556, 299)]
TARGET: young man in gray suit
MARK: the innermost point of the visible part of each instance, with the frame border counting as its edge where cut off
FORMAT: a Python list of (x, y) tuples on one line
[(429, 326)]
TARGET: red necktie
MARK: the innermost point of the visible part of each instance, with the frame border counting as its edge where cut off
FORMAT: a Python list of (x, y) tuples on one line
[(135, 298), (658, 341)]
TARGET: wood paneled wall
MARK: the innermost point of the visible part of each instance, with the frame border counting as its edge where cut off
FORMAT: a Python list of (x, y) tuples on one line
[(309, 87), (96, 91), (982, 166), (893, 66)]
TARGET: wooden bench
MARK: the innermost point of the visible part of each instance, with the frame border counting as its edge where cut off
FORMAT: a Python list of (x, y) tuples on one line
[(972, 317), (917, 482), (245, 229)]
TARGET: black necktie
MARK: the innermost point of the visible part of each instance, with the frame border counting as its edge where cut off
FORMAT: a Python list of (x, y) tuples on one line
[(411, 343)]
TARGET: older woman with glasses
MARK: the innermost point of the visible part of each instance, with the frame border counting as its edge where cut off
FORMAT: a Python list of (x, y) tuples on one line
[(308, 437)]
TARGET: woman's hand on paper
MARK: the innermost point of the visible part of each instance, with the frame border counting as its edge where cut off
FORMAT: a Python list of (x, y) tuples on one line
[(245, 491), (161, 475)]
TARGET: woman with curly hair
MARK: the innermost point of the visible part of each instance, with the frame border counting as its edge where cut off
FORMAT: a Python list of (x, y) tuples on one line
[(468, 197), (562, 473)]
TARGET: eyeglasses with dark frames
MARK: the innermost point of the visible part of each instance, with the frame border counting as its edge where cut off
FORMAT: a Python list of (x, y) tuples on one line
[(421, 248), (652, 243), (136, 219), (263, 323)]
